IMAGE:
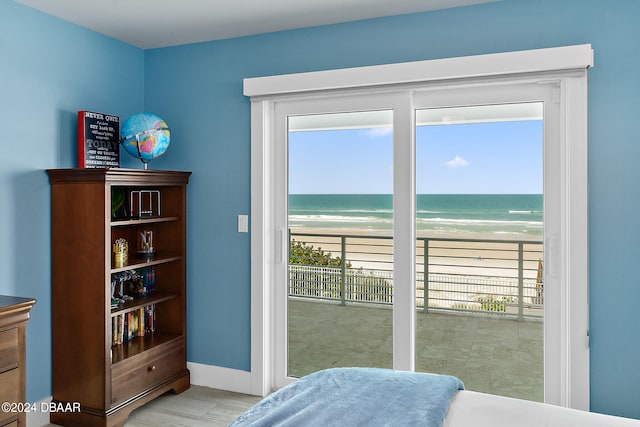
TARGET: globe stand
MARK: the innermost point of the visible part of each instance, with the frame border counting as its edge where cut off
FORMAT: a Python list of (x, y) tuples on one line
[(145, 164)]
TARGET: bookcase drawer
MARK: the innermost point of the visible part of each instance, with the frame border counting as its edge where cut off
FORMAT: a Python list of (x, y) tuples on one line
[(141, 372), (8, 349)]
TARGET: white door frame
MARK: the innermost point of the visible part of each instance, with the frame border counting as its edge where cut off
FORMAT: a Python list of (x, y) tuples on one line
[(566, 65)]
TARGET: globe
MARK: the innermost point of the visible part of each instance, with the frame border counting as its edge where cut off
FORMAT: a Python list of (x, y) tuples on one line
[(145, 136)]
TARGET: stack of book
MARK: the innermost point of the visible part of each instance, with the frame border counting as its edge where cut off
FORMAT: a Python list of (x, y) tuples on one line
[(135, 323)]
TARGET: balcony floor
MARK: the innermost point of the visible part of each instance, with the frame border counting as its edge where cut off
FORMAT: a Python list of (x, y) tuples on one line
[(489, 354)]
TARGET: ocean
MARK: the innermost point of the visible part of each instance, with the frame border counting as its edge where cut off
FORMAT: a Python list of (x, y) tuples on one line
[(508, 216)]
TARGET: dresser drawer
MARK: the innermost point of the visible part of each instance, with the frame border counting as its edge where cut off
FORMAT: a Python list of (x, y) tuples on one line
[(9, 391), (136, 374), (8, 349)]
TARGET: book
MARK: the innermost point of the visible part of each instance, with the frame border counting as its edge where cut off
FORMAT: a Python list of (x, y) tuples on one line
[(140, 330), (151, 318), (149, 279), (98, 140), (117, 329)]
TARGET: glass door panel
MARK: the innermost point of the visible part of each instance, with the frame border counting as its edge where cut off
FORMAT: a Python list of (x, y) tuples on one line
[(340, 224), (479, 227)]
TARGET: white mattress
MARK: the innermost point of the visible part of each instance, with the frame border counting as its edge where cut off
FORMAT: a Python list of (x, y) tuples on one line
[(469, 408)]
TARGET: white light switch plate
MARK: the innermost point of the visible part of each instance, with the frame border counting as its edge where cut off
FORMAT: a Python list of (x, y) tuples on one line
[(243, 223)]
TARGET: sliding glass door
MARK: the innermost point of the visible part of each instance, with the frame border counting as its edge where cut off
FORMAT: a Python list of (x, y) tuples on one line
[(335, 214), (479, 220), (340, 225), (411, 229)]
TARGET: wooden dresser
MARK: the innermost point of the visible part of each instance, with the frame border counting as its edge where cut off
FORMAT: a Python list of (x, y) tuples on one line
[(14, 315)]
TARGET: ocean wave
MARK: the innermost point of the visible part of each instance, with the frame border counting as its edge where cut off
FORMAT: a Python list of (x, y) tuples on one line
[(507, 229), (331, 211), (438, 214), (337, 218), (439, 221), (525, 212), (477, 221)]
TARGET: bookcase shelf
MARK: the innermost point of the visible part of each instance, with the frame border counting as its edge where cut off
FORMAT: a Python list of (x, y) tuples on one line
[(141, 302), (141, 221), (94, 363), (159, 259), (141, 344)]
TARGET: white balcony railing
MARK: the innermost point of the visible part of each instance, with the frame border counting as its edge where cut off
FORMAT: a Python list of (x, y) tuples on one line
[(489, 277)]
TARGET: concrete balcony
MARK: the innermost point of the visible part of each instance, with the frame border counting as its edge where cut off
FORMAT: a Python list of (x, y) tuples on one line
[(488, 353)]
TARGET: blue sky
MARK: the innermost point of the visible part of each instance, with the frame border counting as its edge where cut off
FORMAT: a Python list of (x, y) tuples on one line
[(481, 158)]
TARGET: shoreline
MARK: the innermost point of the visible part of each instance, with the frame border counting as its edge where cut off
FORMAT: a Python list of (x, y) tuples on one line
[(358, 232), (460, 255)]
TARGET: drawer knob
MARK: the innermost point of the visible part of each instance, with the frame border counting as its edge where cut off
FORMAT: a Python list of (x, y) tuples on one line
[(151, 368)]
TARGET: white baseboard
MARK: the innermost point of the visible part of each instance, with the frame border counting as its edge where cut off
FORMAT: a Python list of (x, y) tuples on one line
[(38, 418), (220, 378)]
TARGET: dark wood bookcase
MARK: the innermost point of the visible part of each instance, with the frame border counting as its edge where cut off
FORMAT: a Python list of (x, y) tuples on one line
[(91, 367)]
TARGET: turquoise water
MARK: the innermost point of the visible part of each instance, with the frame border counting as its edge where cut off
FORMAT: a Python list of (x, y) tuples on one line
[(500, 215)]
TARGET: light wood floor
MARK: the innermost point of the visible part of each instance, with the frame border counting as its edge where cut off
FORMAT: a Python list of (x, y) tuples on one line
[(196, 407)]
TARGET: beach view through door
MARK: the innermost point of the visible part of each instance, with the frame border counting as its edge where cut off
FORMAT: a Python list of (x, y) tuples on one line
[(479, 291), (479, 226), (340, 212)]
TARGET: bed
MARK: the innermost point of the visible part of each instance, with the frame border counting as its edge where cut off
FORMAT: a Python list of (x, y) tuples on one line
[(382, 397)]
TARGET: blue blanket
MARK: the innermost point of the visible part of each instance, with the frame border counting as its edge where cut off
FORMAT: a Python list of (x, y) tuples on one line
[(357, 397)]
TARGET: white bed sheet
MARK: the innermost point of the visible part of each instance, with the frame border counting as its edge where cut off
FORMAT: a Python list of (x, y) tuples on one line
[(469, 408)]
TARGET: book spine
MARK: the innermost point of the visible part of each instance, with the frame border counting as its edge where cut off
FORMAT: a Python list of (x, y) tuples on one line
[(120, 328), (130, 326), (153, 318), (117, 329), (114, 330), (141, 327), (149, 279), (147, 319)]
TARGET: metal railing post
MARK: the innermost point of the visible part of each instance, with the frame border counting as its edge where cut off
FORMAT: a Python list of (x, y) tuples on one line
[(425, 273), (520, 281), (343, 270)]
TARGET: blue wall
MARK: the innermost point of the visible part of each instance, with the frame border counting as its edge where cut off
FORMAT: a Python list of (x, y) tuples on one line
[(49, 69), (197, 88), (202, 97)]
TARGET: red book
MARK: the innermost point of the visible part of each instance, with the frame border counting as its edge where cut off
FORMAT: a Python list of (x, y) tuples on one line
[(98, 140)]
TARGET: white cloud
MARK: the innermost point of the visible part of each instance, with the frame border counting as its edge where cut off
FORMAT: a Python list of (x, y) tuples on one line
[(457, 162), (379, 132)]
